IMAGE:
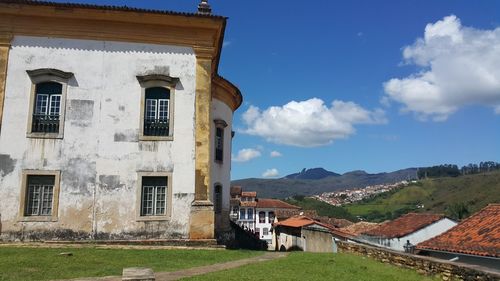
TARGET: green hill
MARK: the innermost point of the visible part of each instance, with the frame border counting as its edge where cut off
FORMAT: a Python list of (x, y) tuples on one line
[(322, 208), (457, 197)]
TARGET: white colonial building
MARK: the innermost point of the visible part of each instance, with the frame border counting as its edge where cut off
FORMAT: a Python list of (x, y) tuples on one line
[(114, 123)]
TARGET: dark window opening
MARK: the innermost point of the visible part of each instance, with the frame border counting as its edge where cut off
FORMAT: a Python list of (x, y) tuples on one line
[(157, 112), (47, 111), (40, 193), (154, 196), (262, 217), (219, 144), (218, 198)]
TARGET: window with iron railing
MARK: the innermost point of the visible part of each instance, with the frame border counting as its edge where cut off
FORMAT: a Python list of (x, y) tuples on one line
[(47, 111), (157, 112)]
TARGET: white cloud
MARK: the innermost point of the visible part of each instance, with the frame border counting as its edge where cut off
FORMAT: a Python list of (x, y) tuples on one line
[(270, 173), (308, 123), (246, 154), (275, 153), (460, 66)]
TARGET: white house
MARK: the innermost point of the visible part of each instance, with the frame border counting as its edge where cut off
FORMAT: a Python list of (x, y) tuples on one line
[(266, 210), (411, 228), (114, 123)]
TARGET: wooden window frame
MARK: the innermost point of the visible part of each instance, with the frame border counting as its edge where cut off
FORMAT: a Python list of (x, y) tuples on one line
[(152, 81), (42, 75), (22, 217), (168, 199)]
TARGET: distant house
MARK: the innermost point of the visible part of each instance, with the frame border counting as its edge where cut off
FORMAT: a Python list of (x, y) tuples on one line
[(411, 228), (246, 216), (306, 234), (257, 214), (266, 213), (475, 240)]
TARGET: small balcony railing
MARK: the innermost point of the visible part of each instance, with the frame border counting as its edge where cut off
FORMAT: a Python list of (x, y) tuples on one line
[(45, 123), (156, 127)]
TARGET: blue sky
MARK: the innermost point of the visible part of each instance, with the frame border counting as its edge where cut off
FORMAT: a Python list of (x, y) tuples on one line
[(442, 106)]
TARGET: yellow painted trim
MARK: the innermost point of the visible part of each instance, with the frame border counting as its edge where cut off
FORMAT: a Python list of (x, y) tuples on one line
[(226, 92), (4, 58), (100, 24), (202, 128)]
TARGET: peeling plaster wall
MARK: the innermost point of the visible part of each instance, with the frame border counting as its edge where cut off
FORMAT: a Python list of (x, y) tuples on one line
[(100, 154), (221, 171)]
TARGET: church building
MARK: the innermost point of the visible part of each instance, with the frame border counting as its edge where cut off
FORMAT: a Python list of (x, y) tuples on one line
[(114, 123)]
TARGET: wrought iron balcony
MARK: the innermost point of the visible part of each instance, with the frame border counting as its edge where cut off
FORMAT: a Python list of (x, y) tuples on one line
[(45, 123), (156, 127)]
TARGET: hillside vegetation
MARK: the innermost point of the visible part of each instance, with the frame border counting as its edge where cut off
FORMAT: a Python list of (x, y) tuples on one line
[(322, 208), (456, 197)]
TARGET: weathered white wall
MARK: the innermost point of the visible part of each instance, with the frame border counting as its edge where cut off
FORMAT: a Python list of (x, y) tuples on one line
[(100, 153), (416, 237), (221, 171)]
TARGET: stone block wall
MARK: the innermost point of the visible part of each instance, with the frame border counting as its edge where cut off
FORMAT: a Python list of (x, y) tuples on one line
[(424, 265)]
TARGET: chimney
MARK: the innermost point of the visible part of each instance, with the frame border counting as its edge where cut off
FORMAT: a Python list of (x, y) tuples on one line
[(204, 8)]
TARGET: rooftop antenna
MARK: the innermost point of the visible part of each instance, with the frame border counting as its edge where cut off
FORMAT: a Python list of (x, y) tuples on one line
[(204, 8)]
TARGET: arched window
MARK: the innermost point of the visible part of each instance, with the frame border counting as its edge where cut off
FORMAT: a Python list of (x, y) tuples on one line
[(47, 110), (218, 198), (157, 105), (47, 101)]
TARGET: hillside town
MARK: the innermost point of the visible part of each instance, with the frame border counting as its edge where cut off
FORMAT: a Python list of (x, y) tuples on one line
[(120, 139), (339, 198)]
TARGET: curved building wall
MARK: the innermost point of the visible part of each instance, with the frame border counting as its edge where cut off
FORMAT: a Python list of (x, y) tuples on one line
[(221, 171)]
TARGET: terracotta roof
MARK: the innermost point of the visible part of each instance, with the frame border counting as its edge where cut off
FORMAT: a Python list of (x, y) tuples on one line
[(334, 221), (477, 235), (359, 227), (404, 225), (108, 7), (235, 190), (303, 221), (274, 203), (249, 194), (248, 204), (283, 214)]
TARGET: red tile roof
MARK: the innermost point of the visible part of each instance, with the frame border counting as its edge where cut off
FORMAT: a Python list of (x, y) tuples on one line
[(283, 214), (248, 204), (404, 225), (274, 204), (249, 194), (477, 235), (303, 221), (359, 227), (235, 190), (338, 223)]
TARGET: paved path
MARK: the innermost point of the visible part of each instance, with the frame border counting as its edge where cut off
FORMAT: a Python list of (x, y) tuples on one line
[(176, 275)]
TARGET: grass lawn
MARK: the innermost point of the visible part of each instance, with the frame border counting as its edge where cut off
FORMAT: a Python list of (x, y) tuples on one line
[(45, 264), (311, 266)]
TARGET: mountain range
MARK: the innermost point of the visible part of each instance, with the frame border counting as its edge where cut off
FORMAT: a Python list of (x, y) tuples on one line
[(318, 180)]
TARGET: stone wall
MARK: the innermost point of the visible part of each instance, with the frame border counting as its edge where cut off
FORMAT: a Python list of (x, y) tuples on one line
[(424, 265)]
